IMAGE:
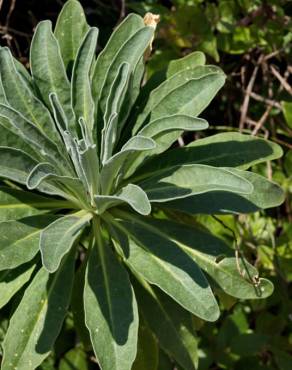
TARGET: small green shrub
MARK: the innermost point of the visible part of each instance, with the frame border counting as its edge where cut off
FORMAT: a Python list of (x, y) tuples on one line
[(95, 201)]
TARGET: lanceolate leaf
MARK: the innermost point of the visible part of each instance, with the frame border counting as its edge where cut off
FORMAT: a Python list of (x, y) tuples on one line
[(171, 324), (48, 69), (36, 139), (217, 260), (165, 131), (131, 24), (57, 238), (19, 240), (265, 194), (38, 319), (195, 87), (70, 29), (229, 149), (131, 52), (21, 98), (15, 164), (159, 261), (13, 280), (82, 100), (110, 310), (183, 181), (10, 138), (115, 164), (197, 58), (112, 126), (16, 204), (131, 194)]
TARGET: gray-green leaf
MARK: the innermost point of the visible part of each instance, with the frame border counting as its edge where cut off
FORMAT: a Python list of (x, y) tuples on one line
[(130, 194), (111, 313), (70, 29), (184, 181), (161, 262), (48, 69), (11, 281), (19, 240), (38, 319), (82, 100), (58, 238)]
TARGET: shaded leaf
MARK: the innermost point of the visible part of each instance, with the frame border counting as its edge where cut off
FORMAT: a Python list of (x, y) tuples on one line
[(161, 262), (183, 181), (11, 281), (58, 238), (38, 319), (19, 240), (110, 309)]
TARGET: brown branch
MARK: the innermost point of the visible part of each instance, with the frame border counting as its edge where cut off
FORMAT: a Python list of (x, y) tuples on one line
[(267, 101), (281, 79), (10, 11), (245, 104), (262, 120)]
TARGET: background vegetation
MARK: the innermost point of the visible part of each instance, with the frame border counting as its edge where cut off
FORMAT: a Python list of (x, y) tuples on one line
[(252, 43)]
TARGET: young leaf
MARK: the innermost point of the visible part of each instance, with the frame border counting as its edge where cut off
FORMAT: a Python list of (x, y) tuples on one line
[(183, 181), (19, 240), (195, 87), (111, 313), (165, 131), (113, 105), (131, 52), (58, 238), (126, 29), (48, 69), (197, 58), (82, 100), (114, 165), (38, 319), (70, 29), (131, 194)]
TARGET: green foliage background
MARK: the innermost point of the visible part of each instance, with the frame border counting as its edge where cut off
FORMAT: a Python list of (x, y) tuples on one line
[(241, 36)]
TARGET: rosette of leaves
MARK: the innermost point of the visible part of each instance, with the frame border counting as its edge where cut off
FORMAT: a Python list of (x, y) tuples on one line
[(96, 196)]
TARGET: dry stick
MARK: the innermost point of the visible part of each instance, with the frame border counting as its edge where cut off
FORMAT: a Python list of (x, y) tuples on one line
[(267, 101), (244, 107), (251, 122), (262, 120), (282, 80), (11, 9)]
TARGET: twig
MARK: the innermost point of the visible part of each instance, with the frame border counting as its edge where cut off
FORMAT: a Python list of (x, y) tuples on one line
[(282, 80), (267, 101), (254, 123), (244, 107), (11, 9), (262, 120)]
